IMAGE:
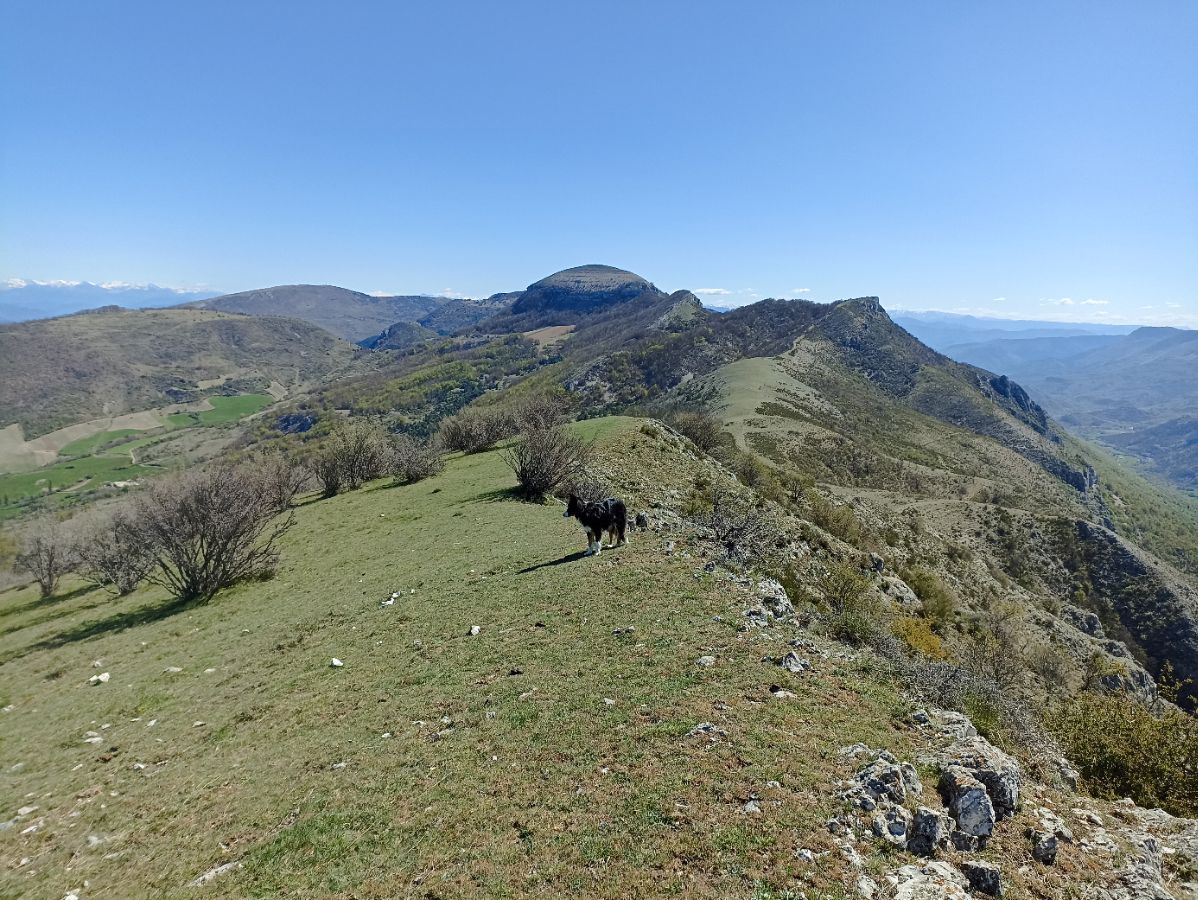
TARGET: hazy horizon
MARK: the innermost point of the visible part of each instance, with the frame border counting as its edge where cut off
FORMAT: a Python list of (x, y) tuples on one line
[(1026, 160)]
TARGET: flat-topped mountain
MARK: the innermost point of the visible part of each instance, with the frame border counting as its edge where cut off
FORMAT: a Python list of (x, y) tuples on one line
[(570, 296), (356, 316)]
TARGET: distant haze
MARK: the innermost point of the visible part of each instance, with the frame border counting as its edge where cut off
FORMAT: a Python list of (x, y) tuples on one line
[(22, 299)]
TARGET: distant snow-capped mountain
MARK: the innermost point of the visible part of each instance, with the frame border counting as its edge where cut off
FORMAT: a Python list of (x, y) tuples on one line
[(24, 299)]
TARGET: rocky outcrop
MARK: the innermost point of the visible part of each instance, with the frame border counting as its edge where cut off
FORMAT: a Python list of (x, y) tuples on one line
[(1157, 610)]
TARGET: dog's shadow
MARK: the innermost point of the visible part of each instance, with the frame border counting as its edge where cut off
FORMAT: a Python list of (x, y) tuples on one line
[(568, 558)]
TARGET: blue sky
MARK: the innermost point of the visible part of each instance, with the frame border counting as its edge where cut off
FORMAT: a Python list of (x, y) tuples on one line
[(1003, 157)]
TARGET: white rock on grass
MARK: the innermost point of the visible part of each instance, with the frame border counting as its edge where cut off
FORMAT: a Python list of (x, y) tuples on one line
[(102, 678), (172, 670), (475, 630), (335, 663), (706, 661)]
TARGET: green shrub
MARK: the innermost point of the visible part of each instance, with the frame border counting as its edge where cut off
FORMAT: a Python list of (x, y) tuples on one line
[(918, 636), (704, 430), (838, 520), (939, 602), (1123, 749), (854, 613)]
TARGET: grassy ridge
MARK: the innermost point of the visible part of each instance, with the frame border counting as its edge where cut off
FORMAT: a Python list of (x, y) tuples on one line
[(536, 786)]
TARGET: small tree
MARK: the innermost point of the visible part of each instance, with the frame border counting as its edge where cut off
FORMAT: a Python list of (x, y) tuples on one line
[(284, 477), (412, 460), (354, 453), (703, 429), (111, 553), (211, 529), (548, 454), (475, 430), (45, 553)]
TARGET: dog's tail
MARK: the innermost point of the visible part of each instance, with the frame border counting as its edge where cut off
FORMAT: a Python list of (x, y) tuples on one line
[(621, 516)]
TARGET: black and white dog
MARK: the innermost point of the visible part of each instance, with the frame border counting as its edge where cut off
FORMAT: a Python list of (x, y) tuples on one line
[(601, 517)]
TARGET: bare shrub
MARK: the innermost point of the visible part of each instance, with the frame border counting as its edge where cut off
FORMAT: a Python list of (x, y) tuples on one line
[(285, 478), (547, 455), (111, 553), (999, 641), (994, 710), (210, 529), (412, 460), (540, 412), (475, 430), (743, 528), (353, 454), (46, 553), (703, 429)]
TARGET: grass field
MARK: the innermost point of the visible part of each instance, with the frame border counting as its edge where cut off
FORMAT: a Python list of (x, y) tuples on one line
[(224, 410), (89, 445), (547, 755), (79, 474), (112, 455)]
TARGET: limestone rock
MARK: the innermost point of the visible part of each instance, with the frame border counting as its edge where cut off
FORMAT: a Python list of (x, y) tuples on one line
[(931, 881), (983, 877), (968, 802), (930, 831)]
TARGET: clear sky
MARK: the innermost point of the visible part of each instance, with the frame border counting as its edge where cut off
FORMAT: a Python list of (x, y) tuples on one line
[(1031, 159)]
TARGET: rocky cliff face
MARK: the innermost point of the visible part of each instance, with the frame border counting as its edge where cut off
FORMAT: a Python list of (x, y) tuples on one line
[(1156, 612)]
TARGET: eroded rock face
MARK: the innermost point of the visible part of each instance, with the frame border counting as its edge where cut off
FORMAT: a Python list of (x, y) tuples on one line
[(993, 768), (968, 802)]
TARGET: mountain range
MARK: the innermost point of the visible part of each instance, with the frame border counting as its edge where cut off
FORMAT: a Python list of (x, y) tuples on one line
[(23, 299), (996, 561), (1133, 391)]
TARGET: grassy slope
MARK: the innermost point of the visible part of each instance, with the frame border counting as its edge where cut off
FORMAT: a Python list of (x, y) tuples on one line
[(556, 792)]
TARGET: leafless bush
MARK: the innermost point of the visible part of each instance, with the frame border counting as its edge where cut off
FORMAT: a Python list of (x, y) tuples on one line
[(547, 455), (703, 429), (111, 553), (354, 453), (210, 529), (745, 529), (993, 709), (541, 412), (285, 478), (411, 460), (475, 430), (45, 552)]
